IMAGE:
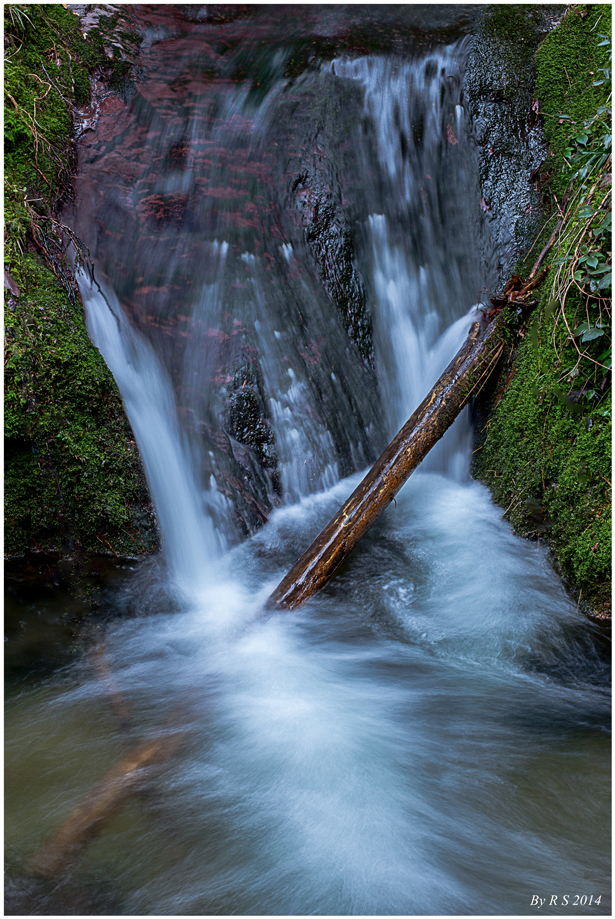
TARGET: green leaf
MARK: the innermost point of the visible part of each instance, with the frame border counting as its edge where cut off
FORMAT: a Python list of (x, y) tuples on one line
[(604, 282), (584, 327), (592, 262), (591, 334), (582, 139)]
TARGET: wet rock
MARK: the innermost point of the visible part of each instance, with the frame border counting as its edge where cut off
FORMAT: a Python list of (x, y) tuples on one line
[(321, 205), (498, 86), (317, 197), (248, 417), (251, 480)]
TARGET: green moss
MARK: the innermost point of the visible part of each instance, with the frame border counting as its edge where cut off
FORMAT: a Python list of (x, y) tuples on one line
[(516, 28), (546, 456), (568, 63), (72, 471), (73, 478), (46, 72), (545, 450)]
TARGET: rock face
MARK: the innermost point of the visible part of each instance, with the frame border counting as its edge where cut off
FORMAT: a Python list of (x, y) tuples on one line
[(315, 197), (499, 87), (177, 186)]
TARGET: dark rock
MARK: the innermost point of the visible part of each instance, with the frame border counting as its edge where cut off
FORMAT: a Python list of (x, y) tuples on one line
[(498, 87)]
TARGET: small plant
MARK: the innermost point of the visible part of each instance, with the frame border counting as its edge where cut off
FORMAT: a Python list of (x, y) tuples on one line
[(584, 260), (19, 17)]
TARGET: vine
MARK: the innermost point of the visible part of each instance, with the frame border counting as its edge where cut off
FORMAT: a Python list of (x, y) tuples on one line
[(584, 260)]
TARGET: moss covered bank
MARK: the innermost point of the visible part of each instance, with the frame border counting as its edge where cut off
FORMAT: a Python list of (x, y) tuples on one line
[(545, 428), (74, 484)]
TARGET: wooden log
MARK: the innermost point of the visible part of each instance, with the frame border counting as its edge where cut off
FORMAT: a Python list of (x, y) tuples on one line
[(118, 706), (105, 800), (469, 369)]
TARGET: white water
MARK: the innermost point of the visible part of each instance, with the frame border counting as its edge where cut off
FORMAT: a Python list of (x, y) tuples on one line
[(427, 736), (190, 543), (306, 452), (423, 279), (415, 353)]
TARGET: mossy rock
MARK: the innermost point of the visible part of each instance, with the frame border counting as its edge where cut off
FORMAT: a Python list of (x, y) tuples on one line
[(545, 443), (568, 64), (73, 477), (545, 451), (48, 63), (547, 464), (72, 471)]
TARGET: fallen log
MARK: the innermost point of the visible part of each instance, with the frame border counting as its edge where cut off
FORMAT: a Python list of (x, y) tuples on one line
[(118, 706), (87, 820), (462, 378)]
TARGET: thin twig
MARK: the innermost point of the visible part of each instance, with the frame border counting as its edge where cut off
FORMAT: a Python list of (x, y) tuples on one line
[(540, 258)]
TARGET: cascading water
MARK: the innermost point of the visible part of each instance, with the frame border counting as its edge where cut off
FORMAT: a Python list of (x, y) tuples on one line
[(429, 735), (427, 277), (190, 542)]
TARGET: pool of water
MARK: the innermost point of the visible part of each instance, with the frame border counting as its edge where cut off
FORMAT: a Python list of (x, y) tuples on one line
[(428, 736)]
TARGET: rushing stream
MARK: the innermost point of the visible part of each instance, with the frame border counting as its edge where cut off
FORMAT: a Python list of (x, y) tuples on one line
[(430, 734)]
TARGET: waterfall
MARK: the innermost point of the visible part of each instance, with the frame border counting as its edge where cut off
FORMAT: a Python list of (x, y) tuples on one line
[(226, 294), (429, 734), (246, 309), (190, 543), (425, 229)]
